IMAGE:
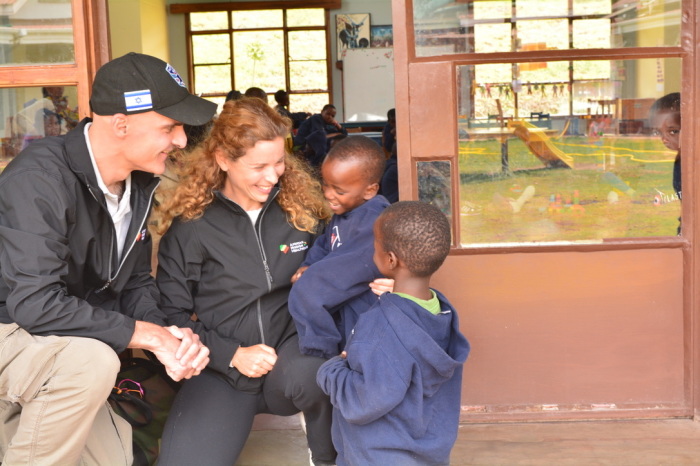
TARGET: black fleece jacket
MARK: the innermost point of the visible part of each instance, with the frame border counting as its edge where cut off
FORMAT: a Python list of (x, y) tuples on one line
[(235, 276), (61, 274)]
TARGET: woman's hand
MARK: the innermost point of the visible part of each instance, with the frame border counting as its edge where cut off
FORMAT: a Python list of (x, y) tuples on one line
[(300, 271), (382, 285), (254, 361)]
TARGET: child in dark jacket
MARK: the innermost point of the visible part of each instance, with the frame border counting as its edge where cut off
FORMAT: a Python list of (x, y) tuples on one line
[(396, 388), (331, 287)]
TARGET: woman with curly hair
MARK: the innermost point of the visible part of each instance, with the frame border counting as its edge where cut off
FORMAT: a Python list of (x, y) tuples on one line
[(236, 227)]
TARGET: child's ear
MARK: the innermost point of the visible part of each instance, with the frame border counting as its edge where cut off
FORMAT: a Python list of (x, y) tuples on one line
[(393, 260), (371, 191)]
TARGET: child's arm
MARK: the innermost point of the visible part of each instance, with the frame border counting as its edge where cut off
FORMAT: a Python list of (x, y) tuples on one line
[(366, 386)]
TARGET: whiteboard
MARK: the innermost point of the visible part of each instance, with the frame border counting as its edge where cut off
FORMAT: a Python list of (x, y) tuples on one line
[(368, 83)]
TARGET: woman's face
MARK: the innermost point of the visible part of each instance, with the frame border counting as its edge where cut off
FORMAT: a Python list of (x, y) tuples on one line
[(250, 178)]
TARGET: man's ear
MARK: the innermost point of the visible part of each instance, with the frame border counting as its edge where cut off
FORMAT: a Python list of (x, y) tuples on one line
[(371, 191), (119, 124)]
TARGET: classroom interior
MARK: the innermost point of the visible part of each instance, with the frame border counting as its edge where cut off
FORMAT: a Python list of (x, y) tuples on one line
[(529, 125)]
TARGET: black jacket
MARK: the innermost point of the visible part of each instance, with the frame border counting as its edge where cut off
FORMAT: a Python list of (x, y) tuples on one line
[(234, 277), (61, 274)]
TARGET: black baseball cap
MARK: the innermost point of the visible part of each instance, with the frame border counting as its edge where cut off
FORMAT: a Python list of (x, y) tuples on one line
[(137, 83)]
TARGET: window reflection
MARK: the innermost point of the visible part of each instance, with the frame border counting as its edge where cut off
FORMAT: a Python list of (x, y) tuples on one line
[(31, 113), (445, 27), (546, 155), (36, 32), (434, 184)]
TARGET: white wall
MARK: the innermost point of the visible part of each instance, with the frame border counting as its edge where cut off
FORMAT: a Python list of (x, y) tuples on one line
[(380, 14)]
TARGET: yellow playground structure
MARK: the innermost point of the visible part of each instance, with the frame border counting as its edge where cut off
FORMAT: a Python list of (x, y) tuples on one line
[(540, 144)]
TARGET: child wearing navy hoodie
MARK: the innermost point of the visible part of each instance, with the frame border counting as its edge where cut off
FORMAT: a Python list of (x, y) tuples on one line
[(331, 288), (396, 388)]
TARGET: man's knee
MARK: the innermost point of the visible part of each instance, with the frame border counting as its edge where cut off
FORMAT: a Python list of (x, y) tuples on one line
[(88, 362)]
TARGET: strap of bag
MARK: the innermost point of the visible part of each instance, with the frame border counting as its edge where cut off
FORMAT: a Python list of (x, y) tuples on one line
[(141, 406)]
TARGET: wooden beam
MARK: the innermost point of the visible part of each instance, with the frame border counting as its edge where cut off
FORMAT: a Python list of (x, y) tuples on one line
[(230, 6)]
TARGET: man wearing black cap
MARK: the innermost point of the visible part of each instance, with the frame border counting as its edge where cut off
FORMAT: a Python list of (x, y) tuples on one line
[(75, 283)]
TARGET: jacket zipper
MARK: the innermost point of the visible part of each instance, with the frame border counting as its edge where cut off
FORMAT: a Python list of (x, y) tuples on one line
[(133, 243), (268, 275)]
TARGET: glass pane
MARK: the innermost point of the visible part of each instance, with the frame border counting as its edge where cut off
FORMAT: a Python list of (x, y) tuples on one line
[(208, 21), (31, 113), (546, 159), (308, 75), (534, 8), (214, 79), (258, 60), (311, 103), (434, 185), (530, 36), (35, 32), (307, 45), (443, 27), (257, 19), (592, 34), (306, 17), (211, 48)]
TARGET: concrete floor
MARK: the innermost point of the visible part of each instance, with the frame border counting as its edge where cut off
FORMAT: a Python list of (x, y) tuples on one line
[(614, 443)]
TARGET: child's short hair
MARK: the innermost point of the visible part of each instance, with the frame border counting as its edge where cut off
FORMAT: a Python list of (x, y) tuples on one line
[(668, 103), (418, 233), (364, 150)]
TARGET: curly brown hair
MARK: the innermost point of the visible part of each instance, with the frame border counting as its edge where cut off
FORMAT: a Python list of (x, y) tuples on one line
[(241, 125)]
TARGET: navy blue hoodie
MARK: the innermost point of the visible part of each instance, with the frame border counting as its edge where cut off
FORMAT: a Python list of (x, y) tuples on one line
[(396, 397), (326, 301)]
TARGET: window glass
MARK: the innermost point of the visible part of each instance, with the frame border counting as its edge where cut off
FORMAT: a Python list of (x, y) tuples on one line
[(257, 19), (443, 27), (257, 49), (208, 21), (434, 184), (547, 158), (310, 103), (259, 60), (306, 17), (35, 32), (211, 48), (31, 113)]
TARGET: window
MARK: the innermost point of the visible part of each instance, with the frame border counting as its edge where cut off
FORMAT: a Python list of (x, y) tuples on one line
[(265, 47), (556, 147)]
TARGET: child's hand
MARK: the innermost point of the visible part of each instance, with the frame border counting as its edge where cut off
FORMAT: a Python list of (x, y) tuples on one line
[(300, 271), (344, 354), (382, 285)]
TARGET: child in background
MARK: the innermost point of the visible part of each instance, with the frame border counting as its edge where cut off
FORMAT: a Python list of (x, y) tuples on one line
[(331, 287), (396, 388), (665, 118)]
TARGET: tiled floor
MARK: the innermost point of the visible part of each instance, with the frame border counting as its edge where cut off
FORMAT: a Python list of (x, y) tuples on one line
[(607, 443)]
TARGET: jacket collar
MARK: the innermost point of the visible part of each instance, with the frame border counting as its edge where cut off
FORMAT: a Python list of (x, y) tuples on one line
[(78, 159)]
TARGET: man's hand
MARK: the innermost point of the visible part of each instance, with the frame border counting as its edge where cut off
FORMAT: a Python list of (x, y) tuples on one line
[(183, 357), (191, 351), (254, 361)]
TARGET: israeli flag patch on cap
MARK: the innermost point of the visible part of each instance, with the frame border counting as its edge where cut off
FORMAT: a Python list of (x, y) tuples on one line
[(138, 100)]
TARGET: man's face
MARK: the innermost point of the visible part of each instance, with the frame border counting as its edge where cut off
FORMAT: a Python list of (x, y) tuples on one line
[(152, 137)]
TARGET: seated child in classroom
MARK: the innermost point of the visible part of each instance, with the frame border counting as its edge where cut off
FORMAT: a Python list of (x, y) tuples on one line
[(331, 287), (396, 388)]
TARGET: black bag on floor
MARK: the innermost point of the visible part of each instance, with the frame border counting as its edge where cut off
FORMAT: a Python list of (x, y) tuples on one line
[(142, 395)]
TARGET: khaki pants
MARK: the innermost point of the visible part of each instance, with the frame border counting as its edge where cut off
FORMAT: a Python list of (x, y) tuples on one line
[(53, 408)]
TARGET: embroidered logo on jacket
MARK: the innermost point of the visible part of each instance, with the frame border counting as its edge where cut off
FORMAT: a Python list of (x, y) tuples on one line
[(142, 236), (335, 238), (294, 247)]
